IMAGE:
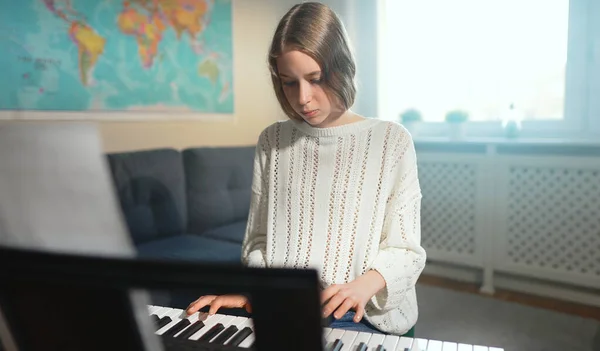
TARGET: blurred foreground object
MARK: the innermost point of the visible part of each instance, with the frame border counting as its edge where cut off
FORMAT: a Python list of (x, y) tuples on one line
[(55, 190)]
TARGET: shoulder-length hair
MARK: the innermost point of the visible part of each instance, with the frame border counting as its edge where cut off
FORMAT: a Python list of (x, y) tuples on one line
[(314, 29)]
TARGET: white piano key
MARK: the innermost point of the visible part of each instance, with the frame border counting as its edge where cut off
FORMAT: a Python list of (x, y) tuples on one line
[(162, 311), (361, 337), (420, 344), (375, 340), (334, 335), (250, 339), (226, 321), (192, 318), (209, 322), (404, 343), (348, 339), (435, 345), (242, 322), (239, 323), (174, 314), (390, 342), (450, 346)]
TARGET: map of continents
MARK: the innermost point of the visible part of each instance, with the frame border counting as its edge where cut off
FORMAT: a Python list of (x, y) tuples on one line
[(107, 55)]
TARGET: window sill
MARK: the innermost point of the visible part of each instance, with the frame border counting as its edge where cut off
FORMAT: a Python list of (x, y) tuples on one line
[(518, 146)]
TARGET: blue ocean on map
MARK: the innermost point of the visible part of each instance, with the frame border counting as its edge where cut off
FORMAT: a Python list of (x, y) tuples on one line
[(108, 55)]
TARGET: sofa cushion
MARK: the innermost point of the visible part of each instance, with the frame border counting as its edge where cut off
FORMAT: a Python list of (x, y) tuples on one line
[(218, 185), (230, 232), (189, 247), (151, 188)]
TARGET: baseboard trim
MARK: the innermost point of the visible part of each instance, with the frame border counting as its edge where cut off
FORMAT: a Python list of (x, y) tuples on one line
[(514, 283), (454, 272)]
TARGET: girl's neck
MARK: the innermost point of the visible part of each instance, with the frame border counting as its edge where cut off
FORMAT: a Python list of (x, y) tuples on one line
[(345, 118)]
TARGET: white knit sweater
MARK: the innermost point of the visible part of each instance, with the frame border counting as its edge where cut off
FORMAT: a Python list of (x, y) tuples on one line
[(341, 200)]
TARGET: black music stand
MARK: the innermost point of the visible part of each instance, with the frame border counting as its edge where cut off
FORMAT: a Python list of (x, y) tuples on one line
[(54, 301)]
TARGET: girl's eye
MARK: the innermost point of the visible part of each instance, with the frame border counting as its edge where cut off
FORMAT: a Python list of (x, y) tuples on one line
[(316, 81), (289, 84)]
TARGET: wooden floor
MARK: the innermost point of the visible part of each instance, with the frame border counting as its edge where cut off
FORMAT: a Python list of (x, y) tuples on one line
[(536, 301)]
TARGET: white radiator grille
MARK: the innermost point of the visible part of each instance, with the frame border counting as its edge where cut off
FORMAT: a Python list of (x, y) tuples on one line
[(552, 219), (448, 206)]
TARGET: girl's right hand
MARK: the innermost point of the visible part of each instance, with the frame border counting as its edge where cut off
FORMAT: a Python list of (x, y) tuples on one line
[(216, 302)]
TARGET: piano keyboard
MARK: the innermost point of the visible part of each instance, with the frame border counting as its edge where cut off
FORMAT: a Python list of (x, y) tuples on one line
[(227, 332)]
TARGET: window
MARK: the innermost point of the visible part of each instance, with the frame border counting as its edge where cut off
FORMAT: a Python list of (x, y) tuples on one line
[(493, 59)]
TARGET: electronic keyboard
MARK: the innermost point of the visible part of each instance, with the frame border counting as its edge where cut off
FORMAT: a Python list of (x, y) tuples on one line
[(226, 332)]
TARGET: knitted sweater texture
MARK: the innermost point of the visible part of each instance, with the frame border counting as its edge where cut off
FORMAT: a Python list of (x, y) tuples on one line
[(342, 200)]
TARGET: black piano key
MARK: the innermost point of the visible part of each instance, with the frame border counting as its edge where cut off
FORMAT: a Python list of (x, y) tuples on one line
[(155, 318), (225, 335), (240, 336), (216, 329), (163, 321), (191, 330), (177, 327), (337, 345), (380, 348), (362, 347)]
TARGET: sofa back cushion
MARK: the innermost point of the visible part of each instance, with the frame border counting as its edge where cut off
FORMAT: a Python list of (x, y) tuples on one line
[(151, 188), (218, 180)]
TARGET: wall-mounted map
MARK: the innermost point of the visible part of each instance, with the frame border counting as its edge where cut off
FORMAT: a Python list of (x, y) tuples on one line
[(109, 55)]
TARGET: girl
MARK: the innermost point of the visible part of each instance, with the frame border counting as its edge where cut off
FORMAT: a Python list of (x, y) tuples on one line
[(333, 190)]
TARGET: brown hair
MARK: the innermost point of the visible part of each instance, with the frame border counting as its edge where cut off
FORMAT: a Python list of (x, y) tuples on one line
[(316, 30)]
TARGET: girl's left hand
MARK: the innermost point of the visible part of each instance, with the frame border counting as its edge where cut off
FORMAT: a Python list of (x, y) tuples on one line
[(341, 298)]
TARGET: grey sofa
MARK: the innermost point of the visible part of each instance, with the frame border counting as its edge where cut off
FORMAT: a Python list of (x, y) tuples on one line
[(185, 205)]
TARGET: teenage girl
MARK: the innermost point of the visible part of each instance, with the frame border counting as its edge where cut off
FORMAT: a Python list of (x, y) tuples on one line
[(333, 190)]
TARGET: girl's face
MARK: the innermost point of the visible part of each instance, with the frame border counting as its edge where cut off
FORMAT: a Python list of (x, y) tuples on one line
[(301, 81)]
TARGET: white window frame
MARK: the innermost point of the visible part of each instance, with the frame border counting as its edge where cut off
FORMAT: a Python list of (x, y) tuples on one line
[(594, 71), (582, 84)]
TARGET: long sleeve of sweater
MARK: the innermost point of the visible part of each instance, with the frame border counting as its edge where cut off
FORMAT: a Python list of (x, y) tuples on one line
[(255, 240), (401, 258)]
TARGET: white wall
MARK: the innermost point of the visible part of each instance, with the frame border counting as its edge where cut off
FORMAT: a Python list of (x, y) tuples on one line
[(360, 18)]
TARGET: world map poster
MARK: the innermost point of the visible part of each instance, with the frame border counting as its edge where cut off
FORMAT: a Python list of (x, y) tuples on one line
[(116, 55)]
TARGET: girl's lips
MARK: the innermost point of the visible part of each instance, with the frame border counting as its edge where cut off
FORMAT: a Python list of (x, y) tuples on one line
[(310, 113)]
